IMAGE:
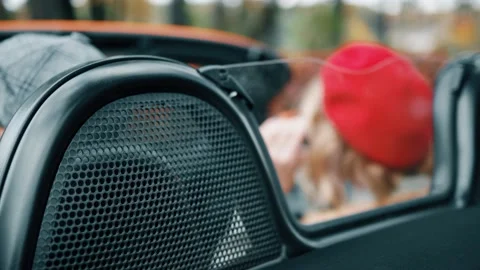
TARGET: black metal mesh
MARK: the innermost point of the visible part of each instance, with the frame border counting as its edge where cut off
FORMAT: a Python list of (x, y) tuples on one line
[(157, 181)]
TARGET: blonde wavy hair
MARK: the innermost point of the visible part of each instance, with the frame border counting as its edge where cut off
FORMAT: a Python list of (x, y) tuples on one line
[(330, 160)]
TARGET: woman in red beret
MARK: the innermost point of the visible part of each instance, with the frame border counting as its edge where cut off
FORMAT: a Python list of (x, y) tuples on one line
[(368, 124)]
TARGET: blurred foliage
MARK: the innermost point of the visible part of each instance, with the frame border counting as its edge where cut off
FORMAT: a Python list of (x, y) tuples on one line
[(197, 16), (52, 9), (4, 14), (311, 28), (319, 26)]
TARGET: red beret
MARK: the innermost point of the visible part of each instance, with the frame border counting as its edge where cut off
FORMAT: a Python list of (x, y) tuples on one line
[(379, 103)]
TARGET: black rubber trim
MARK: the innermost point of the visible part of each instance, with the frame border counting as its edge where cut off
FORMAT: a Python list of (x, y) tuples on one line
[(22, 117), (467, 133), (42, 129), (187, 50), (446, 240)]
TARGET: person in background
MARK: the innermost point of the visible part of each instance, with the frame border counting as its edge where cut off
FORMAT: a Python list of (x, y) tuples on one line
[(366, 124), (283, 136), (29, 60)]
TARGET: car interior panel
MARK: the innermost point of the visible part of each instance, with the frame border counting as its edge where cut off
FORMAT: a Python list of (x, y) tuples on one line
[(197, 51), (142, 161)]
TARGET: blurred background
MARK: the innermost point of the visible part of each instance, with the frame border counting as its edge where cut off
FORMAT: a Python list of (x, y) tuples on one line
[(427, 31), (439, 27)]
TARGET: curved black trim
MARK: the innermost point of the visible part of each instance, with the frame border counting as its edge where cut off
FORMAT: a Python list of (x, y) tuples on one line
[(46, 123), (188, 50), (467, 124), (448, 87), (20, 120)]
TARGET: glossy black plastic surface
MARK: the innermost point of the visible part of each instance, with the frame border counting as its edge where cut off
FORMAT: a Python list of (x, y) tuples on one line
[(467, 121), (34, 142), (447, 89), (189, 50), (448, 239)]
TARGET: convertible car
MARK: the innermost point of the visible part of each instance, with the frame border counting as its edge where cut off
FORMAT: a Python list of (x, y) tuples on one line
[(99, 173), (194, 46)]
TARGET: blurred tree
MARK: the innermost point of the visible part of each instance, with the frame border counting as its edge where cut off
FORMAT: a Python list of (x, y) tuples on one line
[(4, 14), (409, 6), (266, 28), (117, 10), (310, 28), (220, 16), (338, 12), (97, 10), (357, 25), (381, 26), (178, 13), (464, 5), (137, 11), (408, 12), (245, 18), (51, 9), (270, 22), (463, 32), (243, 11)]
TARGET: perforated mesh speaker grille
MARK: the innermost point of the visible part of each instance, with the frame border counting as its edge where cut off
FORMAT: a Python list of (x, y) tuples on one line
[(157, 181)]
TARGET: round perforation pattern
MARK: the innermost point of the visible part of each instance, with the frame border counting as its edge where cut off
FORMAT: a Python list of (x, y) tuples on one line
[(157, 181)]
